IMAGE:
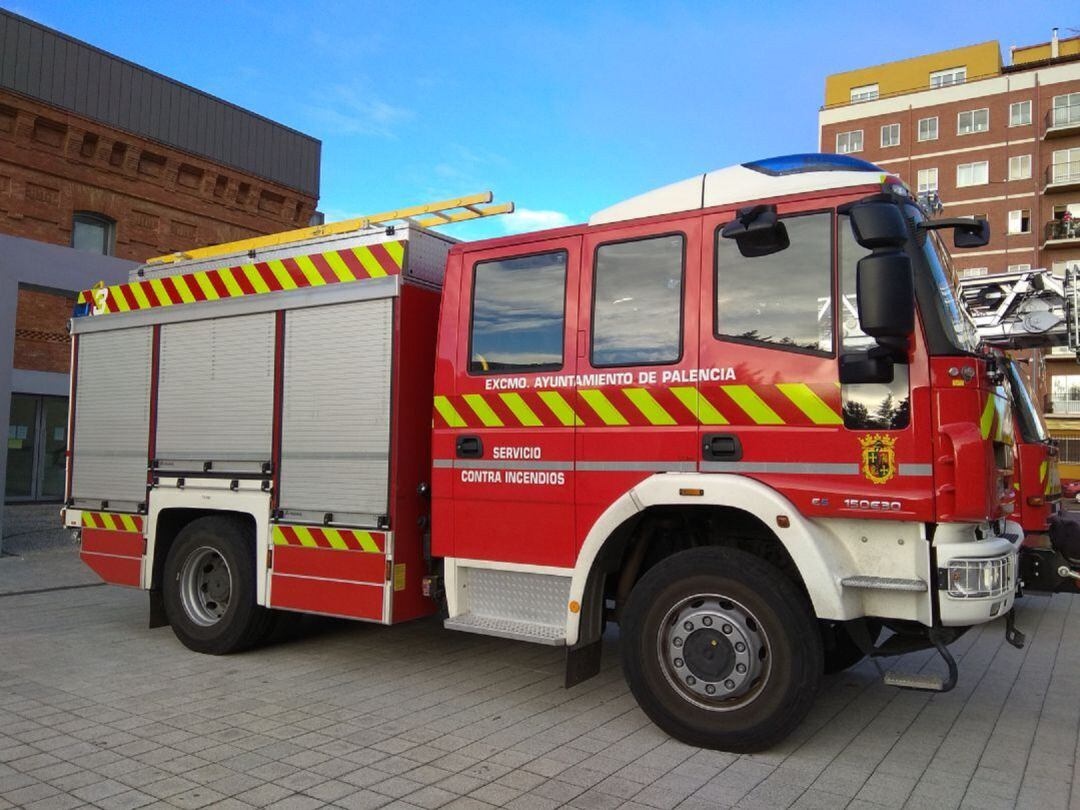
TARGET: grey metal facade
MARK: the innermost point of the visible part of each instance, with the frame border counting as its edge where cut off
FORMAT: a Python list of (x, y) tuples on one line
[(24, 261), (54, 68)]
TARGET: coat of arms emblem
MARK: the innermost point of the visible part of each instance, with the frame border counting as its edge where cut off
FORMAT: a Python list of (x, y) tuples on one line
[(878, 457)]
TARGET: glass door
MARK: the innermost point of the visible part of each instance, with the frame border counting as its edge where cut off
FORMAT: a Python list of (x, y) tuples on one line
[(37, 441)]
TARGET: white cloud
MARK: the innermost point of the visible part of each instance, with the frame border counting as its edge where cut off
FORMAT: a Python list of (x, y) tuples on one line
[(524, 220), (349, 111)]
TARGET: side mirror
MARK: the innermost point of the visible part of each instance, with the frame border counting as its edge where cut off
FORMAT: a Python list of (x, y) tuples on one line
[(757, 231), (886, 295), (967, 232), (878, 225)]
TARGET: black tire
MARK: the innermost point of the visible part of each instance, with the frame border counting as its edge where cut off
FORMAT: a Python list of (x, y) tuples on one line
[(841, 651), (774, 616), (217, 623)]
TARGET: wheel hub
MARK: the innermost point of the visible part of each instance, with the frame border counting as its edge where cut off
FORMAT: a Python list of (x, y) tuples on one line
[(713, 649), (205, 586)]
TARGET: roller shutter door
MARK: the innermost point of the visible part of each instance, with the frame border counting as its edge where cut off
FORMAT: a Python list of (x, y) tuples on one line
[(112, 417), (335, 450), (216, 394)]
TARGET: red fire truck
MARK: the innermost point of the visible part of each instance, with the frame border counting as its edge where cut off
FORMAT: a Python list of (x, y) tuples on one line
[(743, 417)]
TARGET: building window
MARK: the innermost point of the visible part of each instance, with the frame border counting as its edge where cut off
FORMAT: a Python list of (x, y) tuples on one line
[(847, 142), (1020, 221), (1020, 167), (890, 135), (1065, 165), (1019, 268), (972, 174), (943, 78), (868, 92), (637, 302), (927, 181), (974, 272), (1019, 113), (973, 121), (1066, 110), (1065, 398), (928, 128), (782, 300), (92, 232), (517, 314)]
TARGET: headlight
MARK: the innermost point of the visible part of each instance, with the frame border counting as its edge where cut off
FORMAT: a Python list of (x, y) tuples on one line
[(980, 578)]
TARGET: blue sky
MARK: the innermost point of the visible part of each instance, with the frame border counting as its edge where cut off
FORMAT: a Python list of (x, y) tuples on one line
[(562, 107)]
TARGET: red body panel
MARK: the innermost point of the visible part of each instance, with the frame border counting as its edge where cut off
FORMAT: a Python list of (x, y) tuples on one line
[(115, 556), (352, 600)]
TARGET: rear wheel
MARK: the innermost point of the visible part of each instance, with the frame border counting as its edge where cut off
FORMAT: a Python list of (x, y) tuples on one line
[(209, 587), (721, 650)]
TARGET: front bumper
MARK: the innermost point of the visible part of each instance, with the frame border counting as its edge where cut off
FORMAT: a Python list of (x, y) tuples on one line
[(976, 581)]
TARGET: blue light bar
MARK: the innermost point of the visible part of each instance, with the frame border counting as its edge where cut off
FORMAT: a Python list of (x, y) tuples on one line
[(810, 162)]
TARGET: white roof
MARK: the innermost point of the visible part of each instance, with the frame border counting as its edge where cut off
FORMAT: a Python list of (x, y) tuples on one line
[(739, 183)]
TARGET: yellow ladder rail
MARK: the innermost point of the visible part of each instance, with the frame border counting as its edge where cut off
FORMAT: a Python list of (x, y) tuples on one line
[(473, 206)]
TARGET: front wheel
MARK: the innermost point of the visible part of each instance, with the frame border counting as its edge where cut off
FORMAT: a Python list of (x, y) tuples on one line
[(721, 650), (209, 587)]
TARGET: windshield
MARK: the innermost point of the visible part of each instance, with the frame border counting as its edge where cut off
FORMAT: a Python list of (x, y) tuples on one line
[(1032, 428), (955, 318)]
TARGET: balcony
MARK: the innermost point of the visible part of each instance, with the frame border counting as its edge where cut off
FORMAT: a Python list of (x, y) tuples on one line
[(1064, 407), (1062, 120), (1062, 176), (1060, 233)]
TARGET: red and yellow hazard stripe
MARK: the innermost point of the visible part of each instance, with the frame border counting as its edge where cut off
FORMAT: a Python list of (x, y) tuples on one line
[(293, 273), (326, 537), (112, 521), (736, 404)]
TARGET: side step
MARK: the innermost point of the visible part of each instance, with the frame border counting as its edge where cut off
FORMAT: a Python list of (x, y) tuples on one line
[(927, 683), (885, 584), (508, 628)]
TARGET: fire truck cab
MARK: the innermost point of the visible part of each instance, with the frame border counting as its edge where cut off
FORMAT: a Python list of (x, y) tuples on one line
[(743, 417)]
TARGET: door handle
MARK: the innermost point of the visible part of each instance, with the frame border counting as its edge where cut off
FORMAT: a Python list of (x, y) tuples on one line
[(469, 447), (721, 447)]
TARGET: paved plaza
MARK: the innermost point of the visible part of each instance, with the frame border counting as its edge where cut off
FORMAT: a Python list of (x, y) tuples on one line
[(96, 710)]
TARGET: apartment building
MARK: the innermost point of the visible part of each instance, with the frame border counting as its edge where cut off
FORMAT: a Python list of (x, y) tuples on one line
[(104, 163), (975, 135)]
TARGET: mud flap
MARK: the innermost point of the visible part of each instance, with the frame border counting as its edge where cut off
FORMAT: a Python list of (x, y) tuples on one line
[(582, 663)]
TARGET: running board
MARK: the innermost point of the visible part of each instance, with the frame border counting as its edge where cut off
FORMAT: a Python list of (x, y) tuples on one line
[(508, 628), (927, 683), (885, 584)]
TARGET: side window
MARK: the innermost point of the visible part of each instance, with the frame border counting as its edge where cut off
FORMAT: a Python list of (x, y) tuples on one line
[(637, 302), (866, 406), (783, 299), (518, 310)]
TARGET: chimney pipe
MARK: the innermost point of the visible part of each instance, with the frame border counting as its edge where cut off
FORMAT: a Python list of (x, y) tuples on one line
[(1054, 45)]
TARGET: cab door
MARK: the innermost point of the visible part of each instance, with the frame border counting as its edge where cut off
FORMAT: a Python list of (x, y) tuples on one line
[(510, 413), (637, 360)]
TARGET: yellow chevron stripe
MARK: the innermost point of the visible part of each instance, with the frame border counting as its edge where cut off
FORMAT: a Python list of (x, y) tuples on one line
[(254, 278), (397, 252), (337, 264), (483, 410), (700, 407), (371, 264), (281, 274), (88, 520), (202, 278), (118, 299), (311, 273), (278, 536), (810, 403), (129, 523), (448, 412), (596, 400), (334, 537), (520, 408), (159, 291), (649, 407), (366, 541), (139, 291), (986, 423), (182, 287), (304, 535), (229, 280), (753, 405), (559, 406)]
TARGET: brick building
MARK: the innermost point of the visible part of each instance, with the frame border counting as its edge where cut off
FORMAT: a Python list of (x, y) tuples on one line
[(982, 137), (99, 155)]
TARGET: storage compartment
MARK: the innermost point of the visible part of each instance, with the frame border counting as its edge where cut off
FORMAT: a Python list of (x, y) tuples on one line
[(335, 440), (112, 418), (216, 395)]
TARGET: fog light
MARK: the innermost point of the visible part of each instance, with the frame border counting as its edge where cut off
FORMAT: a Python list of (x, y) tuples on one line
[(979, 578)]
